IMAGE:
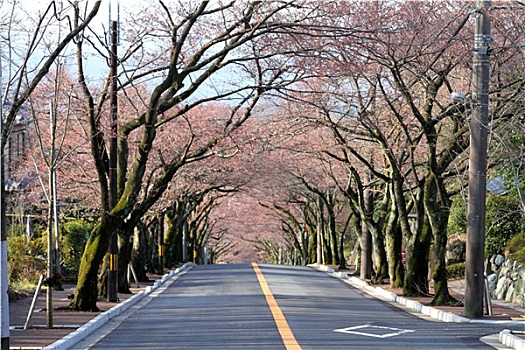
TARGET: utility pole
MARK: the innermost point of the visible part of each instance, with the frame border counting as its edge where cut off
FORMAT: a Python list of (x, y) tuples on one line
[(474, 266), (4, 282), (113, 246)]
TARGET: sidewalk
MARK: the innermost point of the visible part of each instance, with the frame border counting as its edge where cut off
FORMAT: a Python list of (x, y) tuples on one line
[(65, 321)]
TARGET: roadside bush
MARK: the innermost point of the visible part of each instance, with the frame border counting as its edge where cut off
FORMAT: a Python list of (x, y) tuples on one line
[(20, 245), (27, 259), (16, 230), (502, 223), (456, 270), (457, 222), (515, 249), (74, 237)]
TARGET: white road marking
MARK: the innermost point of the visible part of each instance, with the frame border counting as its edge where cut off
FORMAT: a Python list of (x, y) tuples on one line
[(386, 332)]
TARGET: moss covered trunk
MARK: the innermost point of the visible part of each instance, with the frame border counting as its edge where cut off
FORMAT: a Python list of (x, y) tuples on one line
[(416, 279), (437, 208), (381, 261), (124, 258), (172, 239), (334, 242), (394, 244), (417, 272), (439, 270), (378, 238), (86, 293), (312, 246), (103, 278), (402, 229)]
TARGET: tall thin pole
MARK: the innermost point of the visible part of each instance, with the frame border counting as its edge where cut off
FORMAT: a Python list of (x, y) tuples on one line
[(185, 241), (474, 266), (365, 271), (161, 243), (4, 282), (320, 258), (50, 246), (58, 267), (53, 191), (113, 246)]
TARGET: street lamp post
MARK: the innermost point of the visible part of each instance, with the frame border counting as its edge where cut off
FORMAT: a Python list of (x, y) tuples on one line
[(474, 266)]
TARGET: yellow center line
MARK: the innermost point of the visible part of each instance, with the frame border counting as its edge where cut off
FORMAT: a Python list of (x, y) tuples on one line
[(286, 333)]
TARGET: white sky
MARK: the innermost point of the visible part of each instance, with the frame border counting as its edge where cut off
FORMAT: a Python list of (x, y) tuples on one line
[(95, 66)]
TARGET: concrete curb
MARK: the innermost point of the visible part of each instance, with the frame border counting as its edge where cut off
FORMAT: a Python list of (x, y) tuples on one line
[(82, 332), (505, 337)]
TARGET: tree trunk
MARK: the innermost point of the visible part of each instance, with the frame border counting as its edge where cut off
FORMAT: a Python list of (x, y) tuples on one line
[(326, 246), (86, 293), (332, 231), (173, 241), (394, 244), (439, 271), (366, 237), (334, 242), (305, 248), (402, 228), (320, 231), (416, 279), (342, 259), (312, 246), (437, 204), (439, 274), (140, 256), (103, 278), (381, 262), (124, 259)]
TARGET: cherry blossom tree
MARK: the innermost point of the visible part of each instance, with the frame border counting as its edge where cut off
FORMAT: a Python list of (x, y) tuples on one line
[(386, 92), (29, 59), (235, 39)]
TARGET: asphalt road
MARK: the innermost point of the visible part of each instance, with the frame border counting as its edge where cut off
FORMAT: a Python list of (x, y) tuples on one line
[(229, 307)]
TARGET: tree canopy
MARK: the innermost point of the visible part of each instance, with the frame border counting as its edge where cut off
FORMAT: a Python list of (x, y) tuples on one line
[(277, 131)]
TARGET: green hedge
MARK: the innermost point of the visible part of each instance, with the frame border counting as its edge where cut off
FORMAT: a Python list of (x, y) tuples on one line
[(515, 248), (456, 270)]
